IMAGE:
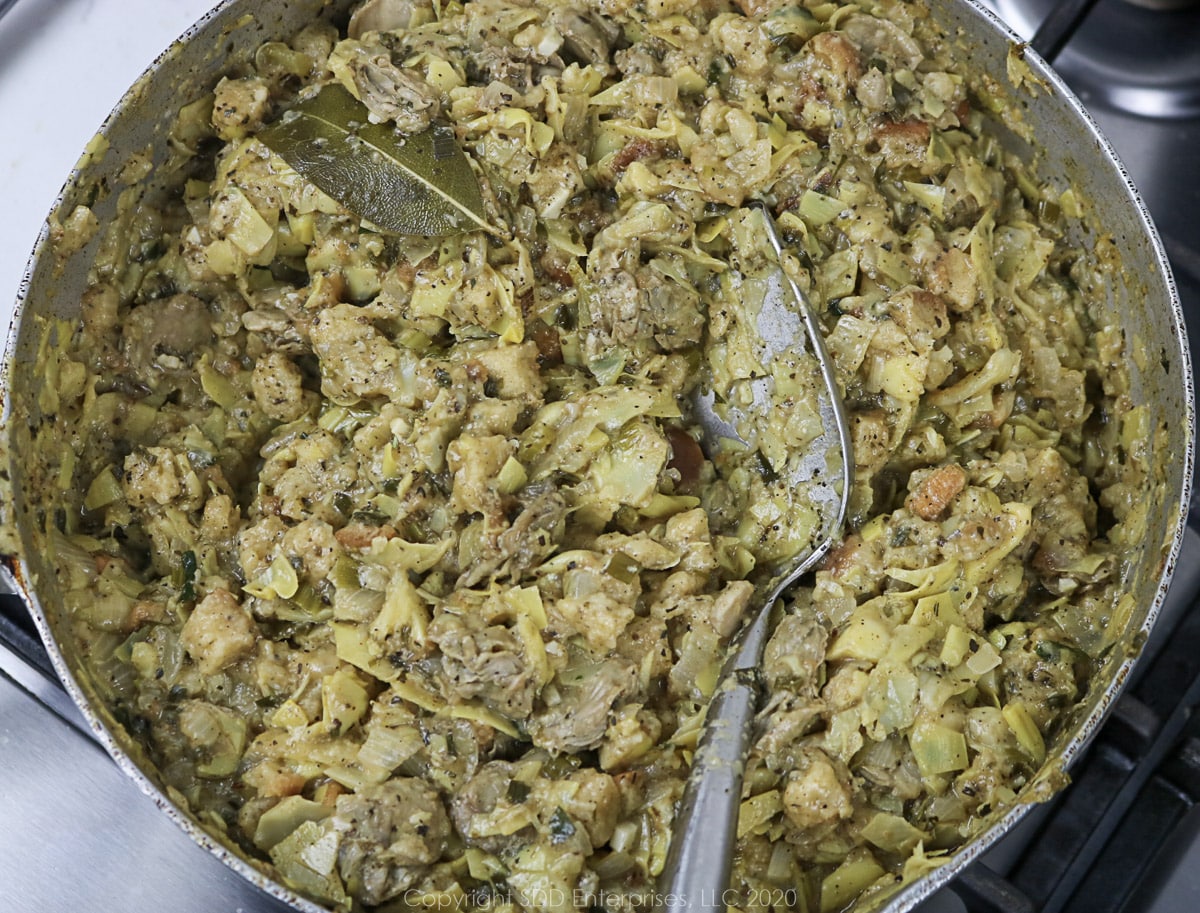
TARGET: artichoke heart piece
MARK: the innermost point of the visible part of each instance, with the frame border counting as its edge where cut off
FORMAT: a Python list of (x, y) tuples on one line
[(307, 858), (627, 471)]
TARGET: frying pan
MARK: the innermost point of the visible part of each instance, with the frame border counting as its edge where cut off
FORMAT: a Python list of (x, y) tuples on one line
[(1041, 121)]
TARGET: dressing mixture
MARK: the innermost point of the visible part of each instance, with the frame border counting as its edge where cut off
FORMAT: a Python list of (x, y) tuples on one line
[(400, 555)]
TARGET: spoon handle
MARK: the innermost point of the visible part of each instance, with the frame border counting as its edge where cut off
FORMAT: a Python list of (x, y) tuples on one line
[(701, 854)]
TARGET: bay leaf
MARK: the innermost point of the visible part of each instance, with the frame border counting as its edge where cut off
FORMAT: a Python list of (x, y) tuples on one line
[(420, 184)]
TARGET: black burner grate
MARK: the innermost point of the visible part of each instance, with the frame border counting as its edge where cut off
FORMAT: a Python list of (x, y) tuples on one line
[(19, 635)]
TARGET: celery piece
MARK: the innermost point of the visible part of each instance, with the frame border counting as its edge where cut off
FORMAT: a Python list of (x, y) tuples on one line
[(847, 881)]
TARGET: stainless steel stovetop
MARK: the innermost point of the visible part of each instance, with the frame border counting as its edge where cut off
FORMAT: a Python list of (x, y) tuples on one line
[(76, 835)]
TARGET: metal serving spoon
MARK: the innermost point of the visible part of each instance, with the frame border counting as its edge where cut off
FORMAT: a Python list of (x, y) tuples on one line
[(700, 859)]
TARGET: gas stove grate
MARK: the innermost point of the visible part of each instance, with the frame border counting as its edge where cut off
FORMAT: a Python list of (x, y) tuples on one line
[(19, 635)]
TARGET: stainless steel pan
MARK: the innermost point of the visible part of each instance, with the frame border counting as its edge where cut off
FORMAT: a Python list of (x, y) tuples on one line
[(1068, 150)]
